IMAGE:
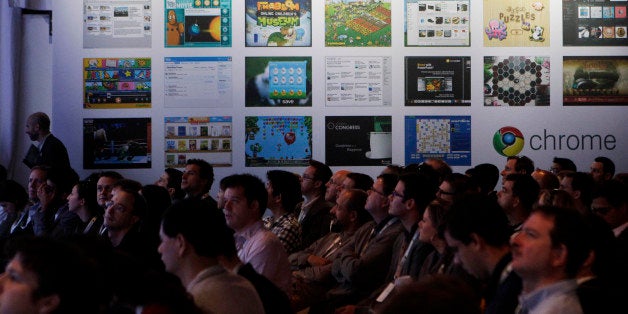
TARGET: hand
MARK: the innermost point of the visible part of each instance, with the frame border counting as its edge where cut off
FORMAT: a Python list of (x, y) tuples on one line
[(45, 194), (317, 261)]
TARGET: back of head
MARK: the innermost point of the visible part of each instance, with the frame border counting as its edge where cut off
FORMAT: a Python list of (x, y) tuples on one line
[(252, 186), (546, 179), (362, 181), (174, 182), (201, 225), (3, 173), (526, 188), (63, 178), (485, 176), (481, 215), (524, 165), (87, 191), (287, 185), (157, 200), (420, 188), (614, 191), (608, 164), (583, 182), (565, 164), (13, 192)]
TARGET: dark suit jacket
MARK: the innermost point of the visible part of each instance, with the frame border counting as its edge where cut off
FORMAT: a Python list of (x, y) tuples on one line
[(316, 223), (53, 153), (273, 299)]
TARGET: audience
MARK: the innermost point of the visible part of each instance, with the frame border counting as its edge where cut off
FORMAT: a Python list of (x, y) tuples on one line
[(364, 254)]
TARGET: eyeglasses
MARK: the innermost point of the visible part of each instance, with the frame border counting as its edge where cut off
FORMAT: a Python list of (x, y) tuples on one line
[(396, 194), (601, 210), (444, 192)]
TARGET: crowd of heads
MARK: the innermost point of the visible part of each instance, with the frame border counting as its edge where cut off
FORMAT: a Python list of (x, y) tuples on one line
[(72, 239)]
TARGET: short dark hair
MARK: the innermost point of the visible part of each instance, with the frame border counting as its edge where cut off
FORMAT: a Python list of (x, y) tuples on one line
[(525, 188), (479, 214), (287, 185), (174, 182), (206, 171), (202, 225), (253, 188), (322, 173), (362, 181), (86, 190), (418, 187), (523, 165), (614, 191), (485, 176), (61, 269), (111, 174), (571, 230), (607, 164), (389, 181), (583, 182), (565, 163), (64, 178)]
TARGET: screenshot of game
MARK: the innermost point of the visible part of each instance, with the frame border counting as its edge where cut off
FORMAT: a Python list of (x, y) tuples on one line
[(516, 23), (438, 81), (595, 81), (285, 23), (437, 23), (595, 23), (116, 83), (278, 141), (197, 23), (443, 137), (352, 23), (278, 81), (116, 143), (516, 81)]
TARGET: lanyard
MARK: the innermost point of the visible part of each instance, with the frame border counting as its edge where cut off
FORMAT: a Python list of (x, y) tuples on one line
[(332, 247), (374, 234), (404, 258)]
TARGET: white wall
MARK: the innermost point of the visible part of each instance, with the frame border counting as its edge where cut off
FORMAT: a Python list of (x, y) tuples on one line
[(556, 119)]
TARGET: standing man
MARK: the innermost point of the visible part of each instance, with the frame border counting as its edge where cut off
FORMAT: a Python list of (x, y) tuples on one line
[(245, 199), (314, 212), (46, 148)]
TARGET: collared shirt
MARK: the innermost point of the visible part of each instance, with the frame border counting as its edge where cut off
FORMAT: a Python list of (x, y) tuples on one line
[(617, 231), (287, 229), (305, 207), (264, 251), (557, 298)]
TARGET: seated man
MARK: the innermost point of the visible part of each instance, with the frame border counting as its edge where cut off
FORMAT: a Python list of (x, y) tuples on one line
[(245, 198), (312, 266), (547, 254), (192, 239)]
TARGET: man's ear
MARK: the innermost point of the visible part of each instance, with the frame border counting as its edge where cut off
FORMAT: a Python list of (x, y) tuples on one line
[(353, 215), (48, 304), (181, 244), (559, 256)]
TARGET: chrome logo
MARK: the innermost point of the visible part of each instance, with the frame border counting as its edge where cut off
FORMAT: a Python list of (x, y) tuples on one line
[(508, 141)]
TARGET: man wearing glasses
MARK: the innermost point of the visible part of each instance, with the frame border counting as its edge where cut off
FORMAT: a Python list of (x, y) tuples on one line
[(314, 212)]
